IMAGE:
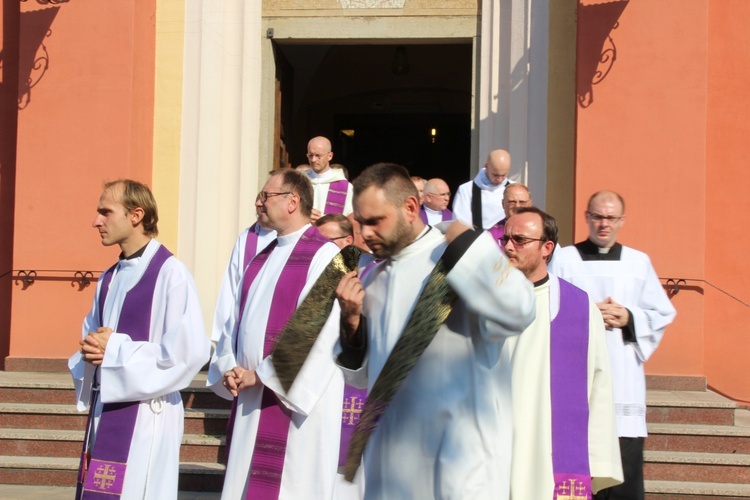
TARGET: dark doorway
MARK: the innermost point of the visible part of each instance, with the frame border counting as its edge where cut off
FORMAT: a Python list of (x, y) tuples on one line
[(381, 103)]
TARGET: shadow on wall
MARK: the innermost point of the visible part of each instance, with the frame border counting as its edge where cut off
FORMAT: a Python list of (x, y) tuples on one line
[(33, 58), (596, 50)]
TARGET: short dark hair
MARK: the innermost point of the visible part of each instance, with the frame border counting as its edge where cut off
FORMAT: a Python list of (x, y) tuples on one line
[(137, 195), (344, 223), (393, 179), (549, 225), (298, 183)]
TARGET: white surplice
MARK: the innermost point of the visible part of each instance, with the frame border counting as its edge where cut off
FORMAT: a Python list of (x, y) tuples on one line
[(531, 468), (447, 431), (315, 398), (150, 372), (492, 200), (232, 276), (321, 183), (633, 283)]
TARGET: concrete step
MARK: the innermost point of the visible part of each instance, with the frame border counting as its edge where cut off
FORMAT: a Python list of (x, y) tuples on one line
[(698, 438), (689, 407), (68, 444), (691, 490), (57, 471), (67, 417), (690, 466)]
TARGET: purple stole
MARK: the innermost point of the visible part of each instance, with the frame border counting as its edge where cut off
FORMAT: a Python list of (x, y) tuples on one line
[(267, 463), (106, 470), (569, 334), (498, 231), (446, 214), (251, 246), (336, 198)]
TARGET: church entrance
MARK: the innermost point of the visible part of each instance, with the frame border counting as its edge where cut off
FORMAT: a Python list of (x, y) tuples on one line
[(409, 104)]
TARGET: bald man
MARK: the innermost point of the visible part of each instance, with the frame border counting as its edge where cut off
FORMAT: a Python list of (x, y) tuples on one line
[(332, 192), (437, 196), (479, 202), (514, 197), (636, 310)]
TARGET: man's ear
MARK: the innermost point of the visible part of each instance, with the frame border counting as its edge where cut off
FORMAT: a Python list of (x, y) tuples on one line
[(136, 216), (411, 206), (547, 248), (293, 204)]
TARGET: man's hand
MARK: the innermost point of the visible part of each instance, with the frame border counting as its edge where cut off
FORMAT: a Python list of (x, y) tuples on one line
[(615, 315), (238, 379), (94, 345), (351, 296), (315, 215), (455, 230)]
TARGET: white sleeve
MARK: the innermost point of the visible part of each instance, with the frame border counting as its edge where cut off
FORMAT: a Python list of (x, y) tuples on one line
[(462, 203), (491, 287), (81, 371), (229, 284), (177, 350), (652, 314)]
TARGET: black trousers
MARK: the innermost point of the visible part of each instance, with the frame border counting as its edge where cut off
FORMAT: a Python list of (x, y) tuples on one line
[(631, 452)]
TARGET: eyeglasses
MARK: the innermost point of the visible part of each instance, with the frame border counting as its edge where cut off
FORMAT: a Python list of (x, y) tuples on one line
[(338, 238), (608, 218), (522, 203), (519, 241), (311, 156), (264, 195)]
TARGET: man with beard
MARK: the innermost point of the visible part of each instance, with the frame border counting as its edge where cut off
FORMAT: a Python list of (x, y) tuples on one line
[(423, 329)]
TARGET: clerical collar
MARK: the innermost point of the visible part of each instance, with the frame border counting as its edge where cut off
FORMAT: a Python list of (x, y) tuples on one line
[(322, 175), (588, 250), (431, 211), (541, 281), (136, 254)]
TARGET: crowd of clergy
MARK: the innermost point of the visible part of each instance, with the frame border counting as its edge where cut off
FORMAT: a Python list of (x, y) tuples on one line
[(376, 344)]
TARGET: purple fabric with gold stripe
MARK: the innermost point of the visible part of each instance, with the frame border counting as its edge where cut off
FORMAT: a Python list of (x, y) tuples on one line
[(267, 463), (106, 470), (569, 339), (336, 198)]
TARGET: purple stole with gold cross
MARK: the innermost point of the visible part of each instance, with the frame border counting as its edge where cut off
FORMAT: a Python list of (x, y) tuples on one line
[(336, 198), (106, 470), (267, 464), (569, 337)]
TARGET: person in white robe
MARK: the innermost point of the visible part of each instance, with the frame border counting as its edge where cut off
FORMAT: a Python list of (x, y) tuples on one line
[(491, 182), (447, 431), (235, 268), (529, 241), (636, 311), (322, 176), (314, 399), (149, 372)]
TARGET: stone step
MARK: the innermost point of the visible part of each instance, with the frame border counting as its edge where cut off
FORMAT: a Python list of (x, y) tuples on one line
[(68, 444), (690, 466), (689, 407), (67, 417), (58, 471), (698, 438), (691, 490)]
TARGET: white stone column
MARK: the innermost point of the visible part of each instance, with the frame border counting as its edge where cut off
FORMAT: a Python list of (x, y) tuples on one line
[(513, 87), (220, 135)]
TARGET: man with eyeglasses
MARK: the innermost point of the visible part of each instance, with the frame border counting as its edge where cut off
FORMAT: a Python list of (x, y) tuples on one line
[(332, 191), (514, 197), (635, 309), (437, 195), (479, 201), (564, 430), (336, 228), (284, 443)]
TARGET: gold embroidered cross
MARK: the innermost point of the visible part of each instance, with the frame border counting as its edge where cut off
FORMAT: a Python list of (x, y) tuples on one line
[(352, 409), (104, 477)]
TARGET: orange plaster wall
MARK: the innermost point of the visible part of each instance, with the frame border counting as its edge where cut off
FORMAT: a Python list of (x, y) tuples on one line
[(89, 119), (644, 137), (727, 200)]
